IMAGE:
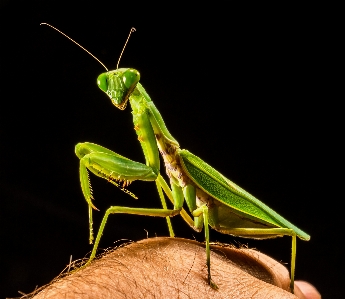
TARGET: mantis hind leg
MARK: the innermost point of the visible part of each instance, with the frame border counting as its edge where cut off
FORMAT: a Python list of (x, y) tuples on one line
[(293, 261), (126, 210)]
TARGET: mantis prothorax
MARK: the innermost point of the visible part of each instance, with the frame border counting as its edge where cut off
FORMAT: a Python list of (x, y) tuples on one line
[(212, 199)]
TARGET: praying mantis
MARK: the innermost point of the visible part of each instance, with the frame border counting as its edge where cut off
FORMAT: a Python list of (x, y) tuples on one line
[(211, 198)]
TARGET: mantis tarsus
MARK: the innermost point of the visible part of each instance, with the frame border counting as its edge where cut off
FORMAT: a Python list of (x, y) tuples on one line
[(212, 199)]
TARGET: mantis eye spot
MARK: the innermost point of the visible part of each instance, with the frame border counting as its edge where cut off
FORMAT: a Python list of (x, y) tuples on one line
[(102, 82)]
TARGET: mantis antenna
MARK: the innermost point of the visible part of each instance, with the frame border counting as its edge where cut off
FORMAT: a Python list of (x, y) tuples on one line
[(130, 32), (78, 44)]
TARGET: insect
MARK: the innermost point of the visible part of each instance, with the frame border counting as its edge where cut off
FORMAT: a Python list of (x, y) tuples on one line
[(212, 199)]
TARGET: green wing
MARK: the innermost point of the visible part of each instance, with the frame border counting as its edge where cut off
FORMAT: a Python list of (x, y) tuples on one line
[(230, 194)]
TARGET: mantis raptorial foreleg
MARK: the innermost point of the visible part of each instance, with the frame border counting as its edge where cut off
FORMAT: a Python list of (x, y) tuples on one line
[(119, 171)]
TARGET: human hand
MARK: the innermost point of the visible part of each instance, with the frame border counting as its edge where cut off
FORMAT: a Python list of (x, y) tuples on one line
[(176, 268)]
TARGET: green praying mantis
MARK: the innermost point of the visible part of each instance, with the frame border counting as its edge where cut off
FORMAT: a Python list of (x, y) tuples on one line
[(212, 199)]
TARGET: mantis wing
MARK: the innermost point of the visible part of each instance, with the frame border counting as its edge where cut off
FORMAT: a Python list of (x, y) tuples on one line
[(228, 193)]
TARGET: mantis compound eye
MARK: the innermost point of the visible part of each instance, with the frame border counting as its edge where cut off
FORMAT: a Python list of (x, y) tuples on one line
[(102, 82), (130, 78)]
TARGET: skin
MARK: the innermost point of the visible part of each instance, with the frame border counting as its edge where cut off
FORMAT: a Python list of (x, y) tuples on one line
[(175, 268)]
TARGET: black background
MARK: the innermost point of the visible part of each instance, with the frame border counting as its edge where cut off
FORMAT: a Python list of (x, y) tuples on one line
[(238, 86)]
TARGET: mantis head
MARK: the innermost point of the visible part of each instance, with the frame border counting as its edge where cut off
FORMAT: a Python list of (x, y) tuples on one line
[(118, 85)]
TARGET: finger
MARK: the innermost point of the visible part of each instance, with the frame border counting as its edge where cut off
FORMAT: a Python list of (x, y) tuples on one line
[(308, 290)]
